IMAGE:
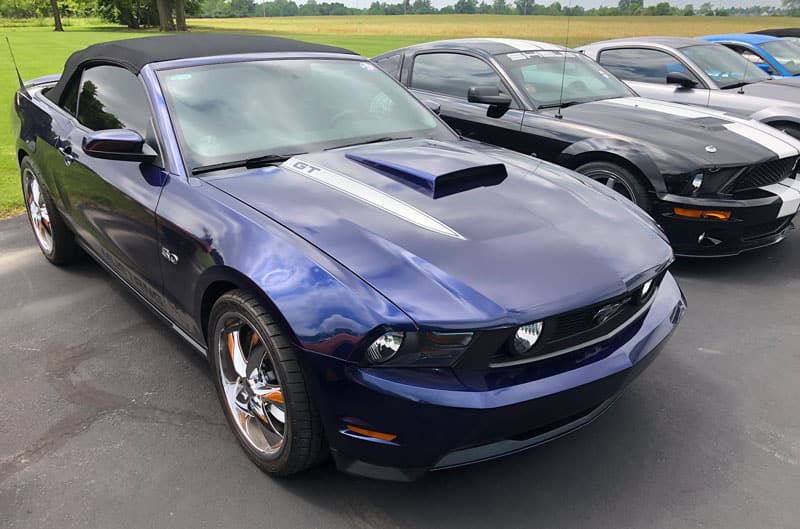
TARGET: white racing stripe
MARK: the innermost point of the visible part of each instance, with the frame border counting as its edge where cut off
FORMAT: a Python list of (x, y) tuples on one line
[(370, 195), (658, 106), (789, 195), (768, 141)]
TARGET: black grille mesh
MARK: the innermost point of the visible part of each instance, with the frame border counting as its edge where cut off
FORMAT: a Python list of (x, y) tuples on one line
[(766, 173)]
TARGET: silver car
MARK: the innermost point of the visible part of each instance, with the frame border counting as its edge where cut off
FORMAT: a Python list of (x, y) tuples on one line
[(701, 73)]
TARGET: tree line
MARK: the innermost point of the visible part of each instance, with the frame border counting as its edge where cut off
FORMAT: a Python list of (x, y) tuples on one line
[(170, 15)]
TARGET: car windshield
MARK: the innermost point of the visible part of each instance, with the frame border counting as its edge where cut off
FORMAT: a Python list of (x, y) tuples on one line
[(786, 53), (552, 78), (726, 67), (228, 112)]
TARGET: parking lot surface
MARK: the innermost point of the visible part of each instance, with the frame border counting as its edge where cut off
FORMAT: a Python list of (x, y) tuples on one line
[(108, 420)]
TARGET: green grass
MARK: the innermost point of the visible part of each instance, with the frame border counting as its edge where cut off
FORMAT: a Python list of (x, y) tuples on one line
[(41, 51)]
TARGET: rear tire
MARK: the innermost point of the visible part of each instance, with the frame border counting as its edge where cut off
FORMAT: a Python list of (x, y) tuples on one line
[(269, 408), (53, 236), (618, 179)]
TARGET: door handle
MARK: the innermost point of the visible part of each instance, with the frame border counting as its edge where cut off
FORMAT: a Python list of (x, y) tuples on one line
[(66, 152)]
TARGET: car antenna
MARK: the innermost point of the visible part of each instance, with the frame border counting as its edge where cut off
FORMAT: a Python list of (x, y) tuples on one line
[(14, 61), (564, 65)]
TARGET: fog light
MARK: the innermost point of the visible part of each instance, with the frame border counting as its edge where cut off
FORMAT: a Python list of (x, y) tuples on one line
[(697, 181), (712, 214), (385, 347), (526, 337)]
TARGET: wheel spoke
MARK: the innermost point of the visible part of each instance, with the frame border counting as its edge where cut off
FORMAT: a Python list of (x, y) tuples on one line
[(255, 358), (610, 183), (237, 355)]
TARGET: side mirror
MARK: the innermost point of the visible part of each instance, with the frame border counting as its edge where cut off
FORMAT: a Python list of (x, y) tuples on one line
[(118, 144), (433, 106), (488, 95), (681, 78)]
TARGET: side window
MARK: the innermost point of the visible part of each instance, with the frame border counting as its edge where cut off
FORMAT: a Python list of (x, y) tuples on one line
[(69, 99), (391, 64), (635, 64), (452, 74), (112, 98)]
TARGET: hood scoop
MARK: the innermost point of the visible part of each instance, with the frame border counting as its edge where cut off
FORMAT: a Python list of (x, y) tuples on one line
[(432, 170)]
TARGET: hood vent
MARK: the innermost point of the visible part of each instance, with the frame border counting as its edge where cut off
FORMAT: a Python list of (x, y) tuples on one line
[(432, 170)]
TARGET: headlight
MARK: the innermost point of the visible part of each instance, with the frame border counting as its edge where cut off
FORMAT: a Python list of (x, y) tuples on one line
[(385, 347), (526, 337), (418, 349), (711, 181)]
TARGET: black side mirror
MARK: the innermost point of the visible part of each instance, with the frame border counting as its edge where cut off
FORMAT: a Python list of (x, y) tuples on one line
[(488, 95), (118, 144), (433, 106), (681, 79)]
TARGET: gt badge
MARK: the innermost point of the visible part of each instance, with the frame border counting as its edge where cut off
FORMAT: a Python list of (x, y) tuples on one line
[(169, 256)]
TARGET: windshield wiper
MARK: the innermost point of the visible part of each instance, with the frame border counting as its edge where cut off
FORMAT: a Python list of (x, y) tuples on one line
[(367, 142), (563, 104), (250, 163)]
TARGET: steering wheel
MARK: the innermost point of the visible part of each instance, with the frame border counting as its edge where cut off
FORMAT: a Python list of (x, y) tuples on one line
[(577, 86)]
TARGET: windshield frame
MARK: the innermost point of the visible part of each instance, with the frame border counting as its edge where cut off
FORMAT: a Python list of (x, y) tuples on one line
[(155, 72), (750, 67), (503, 60), (768, 45)]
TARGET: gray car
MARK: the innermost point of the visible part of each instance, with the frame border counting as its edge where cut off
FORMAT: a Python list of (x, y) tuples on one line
[(701, 73)]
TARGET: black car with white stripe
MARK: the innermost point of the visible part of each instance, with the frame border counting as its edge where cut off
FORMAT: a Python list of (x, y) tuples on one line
[(718, 184)]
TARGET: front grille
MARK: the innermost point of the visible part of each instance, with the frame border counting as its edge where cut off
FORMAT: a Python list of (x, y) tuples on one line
[(766, 173), (570, 329)]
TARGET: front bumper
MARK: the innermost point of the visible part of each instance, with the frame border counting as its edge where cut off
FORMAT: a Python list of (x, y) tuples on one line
[(448, 418), (755, 222)]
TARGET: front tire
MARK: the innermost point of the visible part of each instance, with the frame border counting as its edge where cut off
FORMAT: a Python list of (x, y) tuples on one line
[(261, 387), (618, 179), (53, 236)]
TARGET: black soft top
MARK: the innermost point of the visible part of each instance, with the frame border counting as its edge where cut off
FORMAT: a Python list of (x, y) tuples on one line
[(134, 54)]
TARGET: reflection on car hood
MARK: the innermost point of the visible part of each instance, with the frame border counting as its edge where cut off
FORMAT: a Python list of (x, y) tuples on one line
[(683, 132), (540, 241)]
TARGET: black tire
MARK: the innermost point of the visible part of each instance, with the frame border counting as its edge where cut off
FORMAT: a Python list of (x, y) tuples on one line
[(626, 182), (303, 444), (60, 247)]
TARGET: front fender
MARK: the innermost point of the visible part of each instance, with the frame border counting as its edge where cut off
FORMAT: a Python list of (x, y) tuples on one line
[(775, 114), (215, 237), (608, 149)]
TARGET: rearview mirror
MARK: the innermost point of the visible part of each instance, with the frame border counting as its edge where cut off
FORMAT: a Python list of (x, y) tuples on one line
[(118, 144), (488, 95), (681, 79)]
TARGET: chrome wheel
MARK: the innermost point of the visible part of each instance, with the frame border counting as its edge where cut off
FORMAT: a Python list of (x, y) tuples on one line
[(251, 388), (37, 210), (614, 182)]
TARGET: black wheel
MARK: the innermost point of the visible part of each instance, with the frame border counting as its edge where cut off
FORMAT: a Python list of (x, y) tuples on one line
[(261, 387), (619, 179), (55, 239)]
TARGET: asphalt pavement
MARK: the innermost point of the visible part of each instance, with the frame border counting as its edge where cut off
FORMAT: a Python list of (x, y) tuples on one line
[(108, 420)]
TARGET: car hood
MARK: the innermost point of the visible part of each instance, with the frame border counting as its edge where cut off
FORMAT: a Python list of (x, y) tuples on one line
[(782, 91), (532, 242), (683, 135)]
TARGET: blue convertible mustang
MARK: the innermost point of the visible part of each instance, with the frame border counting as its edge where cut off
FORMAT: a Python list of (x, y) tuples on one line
[(363, 282)]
